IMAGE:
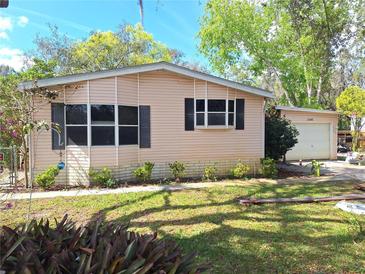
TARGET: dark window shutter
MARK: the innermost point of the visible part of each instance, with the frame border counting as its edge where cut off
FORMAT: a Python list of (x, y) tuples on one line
[(58, 117), (240, 113), (144, 126), (189, 114)]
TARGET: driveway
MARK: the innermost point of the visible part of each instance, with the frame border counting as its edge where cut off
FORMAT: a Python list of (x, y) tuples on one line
[(340, 170)]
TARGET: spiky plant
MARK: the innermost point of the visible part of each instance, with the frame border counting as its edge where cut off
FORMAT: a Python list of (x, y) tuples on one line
[(66, 248)]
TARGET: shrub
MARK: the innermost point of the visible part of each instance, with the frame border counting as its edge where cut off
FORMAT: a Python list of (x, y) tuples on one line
[(144, 172), (316, 168), (177, 170), (47, 178), (280, 135), (210, 173), (240, 170), (102, 177), (38, 247), (268, 168)]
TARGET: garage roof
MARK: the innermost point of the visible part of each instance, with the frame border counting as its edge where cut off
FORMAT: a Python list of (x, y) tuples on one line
[(306, 110), (62, 80)]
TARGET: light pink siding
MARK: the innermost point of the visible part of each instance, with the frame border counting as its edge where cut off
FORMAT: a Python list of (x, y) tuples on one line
[(316, 117), (164, 92), (102, 91), (76, 94), (128, 90)]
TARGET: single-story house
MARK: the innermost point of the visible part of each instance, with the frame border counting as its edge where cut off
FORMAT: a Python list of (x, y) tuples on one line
[(317, 133), (156, 112)]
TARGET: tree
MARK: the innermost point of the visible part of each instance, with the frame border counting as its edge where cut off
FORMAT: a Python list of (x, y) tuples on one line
[(289, 46), (130, 45), (16, 108), (351, 103), (280, 135)]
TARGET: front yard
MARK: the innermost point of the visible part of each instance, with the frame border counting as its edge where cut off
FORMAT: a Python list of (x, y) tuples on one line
[(233, 238)]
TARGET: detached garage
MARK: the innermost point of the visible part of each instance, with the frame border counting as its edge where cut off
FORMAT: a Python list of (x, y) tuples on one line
[(317, 133)]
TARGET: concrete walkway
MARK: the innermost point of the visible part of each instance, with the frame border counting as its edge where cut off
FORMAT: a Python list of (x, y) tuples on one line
[(338, 170), (121, 190)]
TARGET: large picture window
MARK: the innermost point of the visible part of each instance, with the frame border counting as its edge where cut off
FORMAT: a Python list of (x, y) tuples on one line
[(220, 112), (102, 125), (76, 125), (128, 125)]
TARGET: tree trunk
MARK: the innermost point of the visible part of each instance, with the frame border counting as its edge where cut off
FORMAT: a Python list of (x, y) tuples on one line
[(319, 88), (309, 93), (25, 159)]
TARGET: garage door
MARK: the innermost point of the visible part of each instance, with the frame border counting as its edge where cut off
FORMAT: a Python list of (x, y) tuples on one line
[(313, 142)]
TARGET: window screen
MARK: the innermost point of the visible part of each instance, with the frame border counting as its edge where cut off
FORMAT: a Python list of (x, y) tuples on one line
[(128, 135), (102, 114), (128, 115), (76, 135), (128, 125), (76, 125), (200, 105), (217, 111), (216, 119), (76, 114), (217, 105), (200, 117), (102, 136), (231, 112)]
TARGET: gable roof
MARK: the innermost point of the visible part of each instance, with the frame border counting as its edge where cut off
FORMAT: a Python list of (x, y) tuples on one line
[(62, 80), (306, 110)]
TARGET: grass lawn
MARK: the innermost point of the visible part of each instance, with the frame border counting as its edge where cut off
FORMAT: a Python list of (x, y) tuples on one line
[(233, 238)]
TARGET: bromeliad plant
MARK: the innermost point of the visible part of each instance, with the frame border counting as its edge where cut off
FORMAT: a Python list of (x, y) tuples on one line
[(66, 248)]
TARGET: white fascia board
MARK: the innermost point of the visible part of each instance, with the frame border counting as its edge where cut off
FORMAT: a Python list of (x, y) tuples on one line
[(306, 110)]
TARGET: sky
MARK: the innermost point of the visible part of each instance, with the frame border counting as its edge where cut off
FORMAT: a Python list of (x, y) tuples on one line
[(173, 22)]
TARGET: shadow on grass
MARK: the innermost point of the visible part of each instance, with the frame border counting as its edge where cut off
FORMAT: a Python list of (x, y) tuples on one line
[(238, 239)]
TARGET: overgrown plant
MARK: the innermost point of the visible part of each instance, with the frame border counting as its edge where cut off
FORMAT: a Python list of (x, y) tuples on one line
[(41, 248), (210, 173), (316, 167), (47, 178), (269, 168), (280, 135), (144, 173), (102, 177), (177, 170), (240, 170)]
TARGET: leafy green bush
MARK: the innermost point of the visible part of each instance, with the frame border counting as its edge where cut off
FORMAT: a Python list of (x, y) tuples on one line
[(269, 168), (280, 135), (240, 170), (144, 172), (38, 247), (177, 170), (102, 177), (316, 168), (47, 178), (210, 173)]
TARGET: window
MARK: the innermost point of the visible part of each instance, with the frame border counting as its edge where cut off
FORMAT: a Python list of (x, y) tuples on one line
[(102, 125), (220, 112), (231, 112), (128, 125), (200, 112), (76, 125)]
